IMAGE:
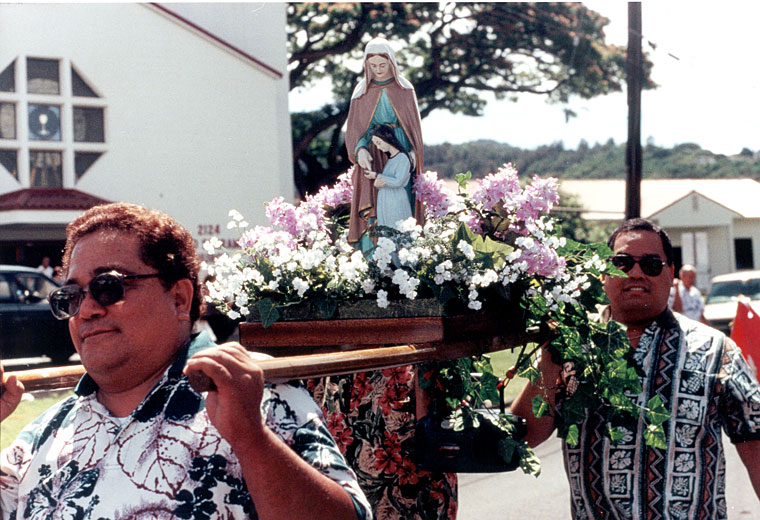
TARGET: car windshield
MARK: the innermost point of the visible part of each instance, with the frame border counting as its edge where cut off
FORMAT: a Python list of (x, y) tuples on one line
[(722, 292)]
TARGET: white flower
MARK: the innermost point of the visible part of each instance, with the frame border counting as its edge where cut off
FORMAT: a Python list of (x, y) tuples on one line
[(368, 285), (382, 299), (212, 244), (466, 249), (301, 286)]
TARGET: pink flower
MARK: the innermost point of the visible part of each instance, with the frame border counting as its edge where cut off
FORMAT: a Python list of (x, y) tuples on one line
[(265, 236), (282, 214), (339, 193), (539, 197), (429, 189), (501, 186), (543, 261)]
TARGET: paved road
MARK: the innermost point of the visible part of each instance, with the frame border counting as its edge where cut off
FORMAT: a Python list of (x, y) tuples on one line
[(514, 495)]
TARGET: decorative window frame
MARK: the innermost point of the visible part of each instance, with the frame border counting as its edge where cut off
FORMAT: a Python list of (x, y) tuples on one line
[(66, 99)]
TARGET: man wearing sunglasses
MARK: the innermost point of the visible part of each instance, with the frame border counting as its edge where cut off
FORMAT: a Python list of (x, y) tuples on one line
[(136, 440), (701, 378)]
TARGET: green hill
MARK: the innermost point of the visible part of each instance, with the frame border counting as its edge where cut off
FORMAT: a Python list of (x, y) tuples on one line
[(601, 161)]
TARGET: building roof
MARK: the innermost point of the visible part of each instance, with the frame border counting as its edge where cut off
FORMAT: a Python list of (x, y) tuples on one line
[(48, 199), (195, 25), (604, 199)]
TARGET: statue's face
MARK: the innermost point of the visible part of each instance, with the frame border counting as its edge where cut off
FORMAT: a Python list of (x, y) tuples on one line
[(379, 68)]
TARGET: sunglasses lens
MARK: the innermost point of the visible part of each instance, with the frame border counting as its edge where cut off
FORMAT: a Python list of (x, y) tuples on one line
[(624, 263), (106, 289), (651, 265), (65, 302)]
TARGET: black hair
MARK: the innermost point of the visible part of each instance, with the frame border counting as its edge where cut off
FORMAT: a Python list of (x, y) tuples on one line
[(387, 134), (642, 224)]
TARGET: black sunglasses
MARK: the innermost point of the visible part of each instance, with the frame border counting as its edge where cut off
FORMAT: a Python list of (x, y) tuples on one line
[(106, 289), (651, 265)]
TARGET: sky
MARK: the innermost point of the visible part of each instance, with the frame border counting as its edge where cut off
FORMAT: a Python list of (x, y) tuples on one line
[(705, 63)]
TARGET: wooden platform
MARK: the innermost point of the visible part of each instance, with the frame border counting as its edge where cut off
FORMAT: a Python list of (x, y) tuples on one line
[(304, 349)]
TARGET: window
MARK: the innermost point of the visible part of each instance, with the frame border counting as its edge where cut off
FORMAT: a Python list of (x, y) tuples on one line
[(52, 122), (743, 253), (9, 161), (7, 121), (42, 76), (44, 122), (88, 124), (45, 169), (8, 78)]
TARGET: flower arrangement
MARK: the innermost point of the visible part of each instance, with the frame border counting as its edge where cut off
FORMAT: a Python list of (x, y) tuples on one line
[(497, 243)]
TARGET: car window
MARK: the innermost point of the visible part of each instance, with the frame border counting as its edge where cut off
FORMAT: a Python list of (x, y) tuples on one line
[(722, 292), (35, 283), (5, 291)]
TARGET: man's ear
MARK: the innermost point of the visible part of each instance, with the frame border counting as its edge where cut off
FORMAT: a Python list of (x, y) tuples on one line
[(182, 291)]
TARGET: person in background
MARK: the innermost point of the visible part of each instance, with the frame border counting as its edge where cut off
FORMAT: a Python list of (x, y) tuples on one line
[(685, 296), (701, 378), (140, 438), (45, 267)]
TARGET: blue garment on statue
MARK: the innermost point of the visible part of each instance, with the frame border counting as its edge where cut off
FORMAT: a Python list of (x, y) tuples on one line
[(392, 199)]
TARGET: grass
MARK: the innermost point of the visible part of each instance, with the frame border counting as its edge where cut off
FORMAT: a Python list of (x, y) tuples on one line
[(501, 362), (26, 412)]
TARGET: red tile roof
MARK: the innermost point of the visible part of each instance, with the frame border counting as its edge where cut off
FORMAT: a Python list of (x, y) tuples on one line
[(48, 199)]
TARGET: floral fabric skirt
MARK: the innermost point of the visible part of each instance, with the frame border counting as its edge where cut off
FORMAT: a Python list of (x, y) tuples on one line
[(372, 417)]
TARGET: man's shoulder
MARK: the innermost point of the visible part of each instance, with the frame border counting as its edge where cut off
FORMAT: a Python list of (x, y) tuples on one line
[(696, 331)]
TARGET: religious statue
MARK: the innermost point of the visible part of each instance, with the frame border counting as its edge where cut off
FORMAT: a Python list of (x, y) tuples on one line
[(382, 97)]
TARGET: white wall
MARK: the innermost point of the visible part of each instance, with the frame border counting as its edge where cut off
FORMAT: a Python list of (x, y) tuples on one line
[(191, 128)]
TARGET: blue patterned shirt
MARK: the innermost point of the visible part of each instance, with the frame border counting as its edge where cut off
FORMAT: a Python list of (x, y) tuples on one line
[(166, 460), (706, 385)]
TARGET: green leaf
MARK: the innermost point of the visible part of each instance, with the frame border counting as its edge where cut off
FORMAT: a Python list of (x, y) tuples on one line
[(616, 433), (540, 406), (325, 307), (507, 448), (573, 436), (462, 179), (654, 436), (268, 312), (656, 411), (529, 463)]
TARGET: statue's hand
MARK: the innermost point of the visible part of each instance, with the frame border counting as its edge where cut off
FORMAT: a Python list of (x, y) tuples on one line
[(364, 158), (370, 174)]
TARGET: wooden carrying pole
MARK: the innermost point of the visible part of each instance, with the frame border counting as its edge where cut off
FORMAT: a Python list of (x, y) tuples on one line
[(319, 365)]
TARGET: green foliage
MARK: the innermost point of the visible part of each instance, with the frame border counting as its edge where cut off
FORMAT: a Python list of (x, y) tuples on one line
[(599, 353), (453, 54), (463, 385), (601, 161)]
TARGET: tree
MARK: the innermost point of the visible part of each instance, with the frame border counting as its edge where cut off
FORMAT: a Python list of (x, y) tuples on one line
[(455, 54)]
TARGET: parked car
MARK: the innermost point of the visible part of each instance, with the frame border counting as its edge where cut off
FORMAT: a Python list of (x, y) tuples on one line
[(28, 327), (720, 305)]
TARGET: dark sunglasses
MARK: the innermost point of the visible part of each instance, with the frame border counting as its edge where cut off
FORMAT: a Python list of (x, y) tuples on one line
[(106, 289), (651, 265)]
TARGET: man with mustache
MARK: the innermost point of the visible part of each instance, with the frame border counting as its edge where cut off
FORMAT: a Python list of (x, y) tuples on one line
[(701, 378), (137, 440)]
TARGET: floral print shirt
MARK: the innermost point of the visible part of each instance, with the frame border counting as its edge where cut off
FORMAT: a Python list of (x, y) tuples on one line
[(706, 385), (166, 460)]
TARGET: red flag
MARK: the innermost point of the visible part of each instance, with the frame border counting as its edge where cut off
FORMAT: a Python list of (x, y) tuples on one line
[(746, 333)]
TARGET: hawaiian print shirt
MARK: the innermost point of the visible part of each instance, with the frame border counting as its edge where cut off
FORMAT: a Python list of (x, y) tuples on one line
[(166, 460), (705, 383)]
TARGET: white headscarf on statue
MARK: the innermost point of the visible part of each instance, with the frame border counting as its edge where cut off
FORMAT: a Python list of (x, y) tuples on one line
[(379, 46)]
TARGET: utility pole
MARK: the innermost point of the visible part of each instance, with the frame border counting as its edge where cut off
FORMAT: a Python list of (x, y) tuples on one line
[(634, 72)]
